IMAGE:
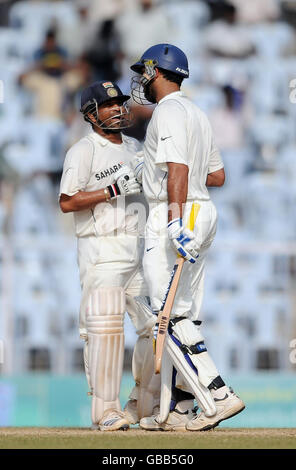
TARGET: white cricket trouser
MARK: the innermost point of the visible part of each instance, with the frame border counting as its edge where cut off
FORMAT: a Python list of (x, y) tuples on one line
[(111, 262), (160, 257)]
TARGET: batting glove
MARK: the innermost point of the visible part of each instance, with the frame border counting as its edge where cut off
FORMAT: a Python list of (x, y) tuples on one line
[(126, 183), (183, 240)]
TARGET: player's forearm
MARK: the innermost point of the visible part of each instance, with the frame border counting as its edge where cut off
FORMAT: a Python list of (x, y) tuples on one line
[(216, 178), (177, 188), (83, 200)]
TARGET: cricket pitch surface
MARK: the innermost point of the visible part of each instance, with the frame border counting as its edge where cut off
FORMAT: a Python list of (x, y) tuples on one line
[(135, 438)]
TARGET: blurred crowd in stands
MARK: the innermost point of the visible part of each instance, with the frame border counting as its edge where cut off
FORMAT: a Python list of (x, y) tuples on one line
[(242, 60)]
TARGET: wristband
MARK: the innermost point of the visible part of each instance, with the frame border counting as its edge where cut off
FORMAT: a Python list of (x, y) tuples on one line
[(113, 190)]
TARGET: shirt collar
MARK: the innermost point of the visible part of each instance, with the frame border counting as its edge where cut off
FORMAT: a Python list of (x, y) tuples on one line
[(103, 142), (98, 138), (172, 95)]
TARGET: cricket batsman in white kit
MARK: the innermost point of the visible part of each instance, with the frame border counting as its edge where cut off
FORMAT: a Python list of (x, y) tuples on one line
[(99, 186), (180, 161)]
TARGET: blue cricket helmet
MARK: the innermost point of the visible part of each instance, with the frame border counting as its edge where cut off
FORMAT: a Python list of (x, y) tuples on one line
[(164, 56)]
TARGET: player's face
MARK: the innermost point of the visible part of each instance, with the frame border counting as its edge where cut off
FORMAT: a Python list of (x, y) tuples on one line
[(149, 92), (114, 116), (108, 112)]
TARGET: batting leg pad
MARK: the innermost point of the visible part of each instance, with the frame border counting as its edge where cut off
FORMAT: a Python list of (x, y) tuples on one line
[(148, 389), (104, 323), (185, 346), (166, 374), (148, 384), (86, 368)]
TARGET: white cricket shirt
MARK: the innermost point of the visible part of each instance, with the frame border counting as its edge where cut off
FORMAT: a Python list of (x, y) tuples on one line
[(179, 132), (91, 164)]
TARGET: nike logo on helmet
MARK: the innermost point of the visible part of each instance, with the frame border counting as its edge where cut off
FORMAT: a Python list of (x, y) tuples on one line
[(164, 138)]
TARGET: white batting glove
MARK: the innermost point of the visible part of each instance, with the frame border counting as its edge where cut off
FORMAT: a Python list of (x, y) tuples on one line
[(126, 183), (183, 240), (138, 165)]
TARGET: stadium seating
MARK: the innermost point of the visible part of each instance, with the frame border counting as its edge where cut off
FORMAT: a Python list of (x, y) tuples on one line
[(247, 308)]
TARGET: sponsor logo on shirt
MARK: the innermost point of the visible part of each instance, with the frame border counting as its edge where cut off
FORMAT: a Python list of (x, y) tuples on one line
[(108, 171)]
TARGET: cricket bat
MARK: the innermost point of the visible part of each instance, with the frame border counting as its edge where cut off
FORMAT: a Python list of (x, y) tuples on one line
[(168, 302)]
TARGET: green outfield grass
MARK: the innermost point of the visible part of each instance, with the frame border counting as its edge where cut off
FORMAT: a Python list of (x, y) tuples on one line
[(82, 438)]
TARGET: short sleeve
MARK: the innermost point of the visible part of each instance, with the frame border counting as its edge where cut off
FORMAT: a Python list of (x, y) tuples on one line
[(215, 161), (77, 168), (172, 144)]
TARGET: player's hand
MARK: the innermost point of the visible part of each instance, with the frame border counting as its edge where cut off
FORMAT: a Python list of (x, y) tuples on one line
[(126, 183), (138, 165), (183, 240)]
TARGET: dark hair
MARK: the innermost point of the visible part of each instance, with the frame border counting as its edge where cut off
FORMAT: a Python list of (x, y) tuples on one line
[(51, 33), (171, 76), (229, 9)]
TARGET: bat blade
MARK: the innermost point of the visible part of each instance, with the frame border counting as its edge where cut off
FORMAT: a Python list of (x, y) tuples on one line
[(164, 315)]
